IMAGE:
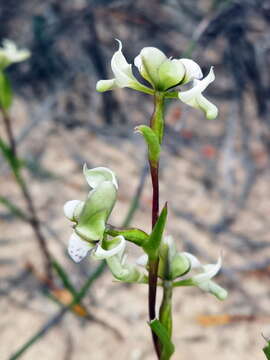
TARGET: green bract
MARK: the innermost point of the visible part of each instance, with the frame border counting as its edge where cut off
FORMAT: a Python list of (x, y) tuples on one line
[(162, 74), (173, 265)]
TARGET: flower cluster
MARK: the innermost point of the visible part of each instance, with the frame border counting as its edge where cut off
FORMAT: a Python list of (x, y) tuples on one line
[(90, 234), (162, 74)]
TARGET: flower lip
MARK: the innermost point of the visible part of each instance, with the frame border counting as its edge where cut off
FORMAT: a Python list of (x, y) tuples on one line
[(78, 248), (119, 246), (96, 176)]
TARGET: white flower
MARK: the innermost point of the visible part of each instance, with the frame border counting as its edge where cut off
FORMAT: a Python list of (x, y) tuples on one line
[(154, 66), (10, 54), (162, 73), (194, 97), (203, 280)]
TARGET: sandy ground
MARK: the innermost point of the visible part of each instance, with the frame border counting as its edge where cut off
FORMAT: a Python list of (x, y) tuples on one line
[(24, 308)]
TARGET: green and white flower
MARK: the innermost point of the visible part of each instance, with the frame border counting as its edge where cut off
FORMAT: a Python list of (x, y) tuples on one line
[(10, 54), (203, 279), (174, 265), (162, 74), (90, 216)]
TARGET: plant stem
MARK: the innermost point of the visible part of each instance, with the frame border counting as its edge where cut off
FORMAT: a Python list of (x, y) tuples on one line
[(156, 125), (9, 132), (33, 219)]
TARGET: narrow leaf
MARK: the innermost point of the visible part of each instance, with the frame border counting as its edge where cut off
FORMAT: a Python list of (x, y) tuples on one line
[(152, 141), (13, 208), (5, 92), (151, 246), (13, 161), (136, 236), (64, 277), (162, 334)]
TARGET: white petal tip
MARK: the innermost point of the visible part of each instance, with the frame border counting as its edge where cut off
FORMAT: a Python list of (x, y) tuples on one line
[(142, 260), (99, 253), (78, 249), (69, 208)]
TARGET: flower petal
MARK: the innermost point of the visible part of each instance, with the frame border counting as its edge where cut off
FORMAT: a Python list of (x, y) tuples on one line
[(72, 209), (171, 73), (194, 262), (124, 77), (119, 244), (105, 85), (210, 270), (96, 176), (121, 68), (213, 288), (210, 110), (78, 248), (193, 97), (142, 260), (193, 70), (148, 62), (198, 88)]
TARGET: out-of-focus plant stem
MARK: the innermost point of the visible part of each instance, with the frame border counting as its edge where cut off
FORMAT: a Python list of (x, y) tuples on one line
[(55, 319), (33, 218)]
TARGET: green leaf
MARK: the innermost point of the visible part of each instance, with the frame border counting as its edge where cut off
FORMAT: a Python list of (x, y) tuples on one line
[(266, 350), (64, 277), (151, 246), (5, 92), (152, 141), (133, 235), (162, 334)]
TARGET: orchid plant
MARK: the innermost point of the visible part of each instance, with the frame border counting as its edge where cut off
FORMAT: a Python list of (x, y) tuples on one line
[(160, 263)]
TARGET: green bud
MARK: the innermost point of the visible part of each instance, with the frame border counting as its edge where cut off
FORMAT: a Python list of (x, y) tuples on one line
[(152, 141)]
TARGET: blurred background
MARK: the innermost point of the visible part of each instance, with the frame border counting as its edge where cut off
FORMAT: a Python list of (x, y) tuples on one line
[(214, 175)]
